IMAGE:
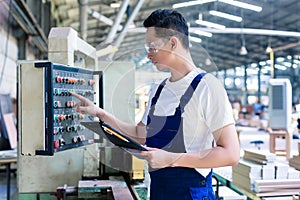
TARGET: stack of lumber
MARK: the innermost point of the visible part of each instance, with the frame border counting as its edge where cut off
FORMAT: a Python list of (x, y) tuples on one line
[(277, 187), (295, 161), (259, 172), (257, 169), (260, 157), (255, 165), (245, 173)]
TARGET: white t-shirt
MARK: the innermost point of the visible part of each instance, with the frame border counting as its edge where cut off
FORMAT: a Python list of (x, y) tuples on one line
[(207, 111)]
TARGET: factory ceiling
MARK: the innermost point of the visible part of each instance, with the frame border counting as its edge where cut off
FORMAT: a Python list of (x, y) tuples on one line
[(277, 25)]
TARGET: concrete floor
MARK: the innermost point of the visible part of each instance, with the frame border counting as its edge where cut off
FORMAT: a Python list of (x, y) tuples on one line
[(246, 137), (3, 188)]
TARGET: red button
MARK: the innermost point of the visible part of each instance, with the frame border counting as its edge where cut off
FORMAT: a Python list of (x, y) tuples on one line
[(56, 144), (58, 79), (91, 82)]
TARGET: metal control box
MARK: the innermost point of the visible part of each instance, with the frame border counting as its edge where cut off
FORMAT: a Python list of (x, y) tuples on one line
[(48, 120)]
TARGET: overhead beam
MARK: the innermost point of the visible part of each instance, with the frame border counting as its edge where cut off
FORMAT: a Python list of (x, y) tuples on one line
[(117, 23), (288, 46), (128, 23), (246, 31)]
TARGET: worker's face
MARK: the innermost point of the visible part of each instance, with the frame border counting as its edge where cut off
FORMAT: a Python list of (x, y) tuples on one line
[(157, 49)]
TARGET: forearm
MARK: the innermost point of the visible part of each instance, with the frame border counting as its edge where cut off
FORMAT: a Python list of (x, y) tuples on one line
[(129, 129), (211, 158)]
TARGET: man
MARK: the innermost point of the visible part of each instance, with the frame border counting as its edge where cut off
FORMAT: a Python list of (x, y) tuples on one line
[(185, 115)]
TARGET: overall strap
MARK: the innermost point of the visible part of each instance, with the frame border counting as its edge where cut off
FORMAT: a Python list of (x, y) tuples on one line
[(158, 91), (189, 92)]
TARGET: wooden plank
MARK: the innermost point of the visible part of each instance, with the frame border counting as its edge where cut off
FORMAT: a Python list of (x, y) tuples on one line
[(4, 161), (279, 193), (278, 182), (276, 188)]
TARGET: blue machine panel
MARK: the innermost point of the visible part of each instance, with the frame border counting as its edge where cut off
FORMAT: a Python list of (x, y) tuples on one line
[(63, 130)]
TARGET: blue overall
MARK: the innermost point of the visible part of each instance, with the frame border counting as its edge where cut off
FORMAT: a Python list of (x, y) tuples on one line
[(166, 132)]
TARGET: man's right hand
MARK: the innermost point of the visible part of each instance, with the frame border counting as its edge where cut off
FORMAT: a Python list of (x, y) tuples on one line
[(85, 106)]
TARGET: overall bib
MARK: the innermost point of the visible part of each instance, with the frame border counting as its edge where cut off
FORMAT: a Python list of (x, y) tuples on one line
[(166, 132)]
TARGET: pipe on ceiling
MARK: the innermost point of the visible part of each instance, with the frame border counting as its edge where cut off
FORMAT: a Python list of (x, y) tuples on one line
[(83, 14), (128, 23), (126, 27), (114, 28), (286, 46), (247, 31), (102, 18)]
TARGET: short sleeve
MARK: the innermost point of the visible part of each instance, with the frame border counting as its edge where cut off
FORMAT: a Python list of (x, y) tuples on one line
[(215, 104)]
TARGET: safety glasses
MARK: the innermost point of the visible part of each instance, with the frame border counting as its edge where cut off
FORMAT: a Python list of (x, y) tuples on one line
[(153, 47)]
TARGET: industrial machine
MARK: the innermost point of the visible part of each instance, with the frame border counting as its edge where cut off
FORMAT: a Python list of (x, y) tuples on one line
[(55, 151), (58, 121)]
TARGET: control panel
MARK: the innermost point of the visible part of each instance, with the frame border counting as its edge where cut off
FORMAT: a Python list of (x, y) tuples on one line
[(62, 123)]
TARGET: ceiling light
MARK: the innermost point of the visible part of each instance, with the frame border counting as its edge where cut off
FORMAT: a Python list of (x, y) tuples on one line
[(262, 63), (243, 51), (254, 65), (280, 59), (115, 4), (237, 81), (228, 81), (287, 64), (195, 39), (243, 5), (210, 24), (297, 62), (204, 33), (295, 66), (191, 3), (226, 16), (281, 67), (269, 49)]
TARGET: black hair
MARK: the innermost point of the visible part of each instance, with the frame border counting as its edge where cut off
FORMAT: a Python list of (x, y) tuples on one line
[(168, 23)]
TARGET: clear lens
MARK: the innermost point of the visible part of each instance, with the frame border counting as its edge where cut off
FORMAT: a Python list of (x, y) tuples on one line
[(153, 47)]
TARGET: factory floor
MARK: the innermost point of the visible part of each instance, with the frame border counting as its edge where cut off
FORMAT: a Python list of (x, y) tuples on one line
[(246, 137), (13, 187)]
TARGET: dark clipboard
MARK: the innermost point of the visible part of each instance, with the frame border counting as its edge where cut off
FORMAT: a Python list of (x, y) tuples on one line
[(115, 136)]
